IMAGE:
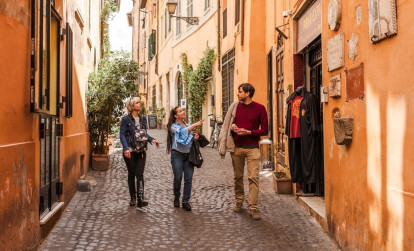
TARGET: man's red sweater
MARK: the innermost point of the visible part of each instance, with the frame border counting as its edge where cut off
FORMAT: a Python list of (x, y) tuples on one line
[(252, 117)]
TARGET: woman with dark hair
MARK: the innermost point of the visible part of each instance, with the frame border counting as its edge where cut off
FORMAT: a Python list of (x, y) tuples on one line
[(179, 140), (134, 138)]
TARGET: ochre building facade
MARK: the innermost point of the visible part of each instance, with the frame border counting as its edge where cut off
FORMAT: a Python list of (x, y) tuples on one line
[(48, 49)]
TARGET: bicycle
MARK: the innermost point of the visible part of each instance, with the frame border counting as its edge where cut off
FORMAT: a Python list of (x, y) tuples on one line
[(216, 123)]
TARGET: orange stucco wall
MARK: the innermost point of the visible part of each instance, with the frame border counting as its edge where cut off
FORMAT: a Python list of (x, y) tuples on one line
[(250, 59), (369, 183), (20, 227), (19, 224)]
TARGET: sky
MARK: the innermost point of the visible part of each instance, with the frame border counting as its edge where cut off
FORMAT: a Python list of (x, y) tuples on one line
[(120, 34)]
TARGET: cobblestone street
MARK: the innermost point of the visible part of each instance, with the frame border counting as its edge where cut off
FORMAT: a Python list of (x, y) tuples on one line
[(103, 220)]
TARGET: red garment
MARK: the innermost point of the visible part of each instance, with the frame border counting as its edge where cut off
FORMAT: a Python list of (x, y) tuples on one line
[(294, 118), (251, 117)]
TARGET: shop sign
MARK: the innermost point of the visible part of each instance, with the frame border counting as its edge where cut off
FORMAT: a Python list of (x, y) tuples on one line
[(309, 25)]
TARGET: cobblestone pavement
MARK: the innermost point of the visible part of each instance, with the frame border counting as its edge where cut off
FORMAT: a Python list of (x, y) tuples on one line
[(103, 220)]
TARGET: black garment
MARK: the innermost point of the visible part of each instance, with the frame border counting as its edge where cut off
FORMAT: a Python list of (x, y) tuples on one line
[(195, 158), (310, 131), (294, 145), (203, 140), (135, 166)]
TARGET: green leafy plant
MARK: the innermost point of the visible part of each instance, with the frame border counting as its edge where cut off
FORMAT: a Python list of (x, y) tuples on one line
[(108, 88), (282, 172), (160, 114), (195, 81), (107, 13)]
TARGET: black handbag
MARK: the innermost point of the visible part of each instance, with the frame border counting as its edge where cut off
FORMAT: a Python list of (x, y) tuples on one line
[(194, 157), (203, 140)]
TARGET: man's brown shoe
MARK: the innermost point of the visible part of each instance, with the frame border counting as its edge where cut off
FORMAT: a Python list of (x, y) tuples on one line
[(238, 207), (254, 213)]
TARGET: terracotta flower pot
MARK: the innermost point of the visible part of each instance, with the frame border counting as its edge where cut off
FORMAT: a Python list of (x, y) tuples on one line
[(282, 185), (100, 162)]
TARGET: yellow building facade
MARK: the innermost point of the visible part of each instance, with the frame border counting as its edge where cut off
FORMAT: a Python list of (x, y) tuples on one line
[(160, 41), (48, 49)]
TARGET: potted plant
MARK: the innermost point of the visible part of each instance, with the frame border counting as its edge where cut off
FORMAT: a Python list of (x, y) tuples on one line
[(108, 87), (281, 182), (160, 116)]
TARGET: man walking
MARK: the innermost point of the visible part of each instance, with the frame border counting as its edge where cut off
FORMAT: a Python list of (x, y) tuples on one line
[(245, 122)]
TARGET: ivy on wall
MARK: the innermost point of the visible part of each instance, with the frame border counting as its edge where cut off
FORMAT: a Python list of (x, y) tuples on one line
[(107, 13), (195, 82)]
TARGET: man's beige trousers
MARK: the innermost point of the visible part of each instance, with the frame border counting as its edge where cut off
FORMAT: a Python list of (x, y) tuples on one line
[(252, 156)]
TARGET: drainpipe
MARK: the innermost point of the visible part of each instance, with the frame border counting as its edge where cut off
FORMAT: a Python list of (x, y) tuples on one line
[(158, 35), (242, 22), (218, 37)]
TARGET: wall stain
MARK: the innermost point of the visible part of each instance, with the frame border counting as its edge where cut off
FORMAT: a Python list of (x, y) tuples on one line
[(18, 11)]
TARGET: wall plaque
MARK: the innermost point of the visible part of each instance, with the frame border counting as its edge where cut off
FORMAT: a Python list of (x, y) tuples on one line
[(335, 86), (353, 47), (335, 55), (382, 19), (355, 83), (334, 14)]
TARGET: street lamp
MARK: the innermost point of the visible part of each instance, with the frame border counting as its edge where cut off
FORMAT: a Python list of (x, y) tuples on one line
[(172, 4)]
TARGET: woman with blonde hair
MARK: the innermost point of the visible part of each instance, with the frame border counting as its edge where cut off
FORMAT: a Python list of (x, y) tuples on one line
[(134, 138)]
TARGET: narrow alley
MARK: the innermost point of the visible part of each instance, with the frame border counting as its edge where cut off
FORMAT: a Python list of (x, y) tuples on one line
[(103, 220)]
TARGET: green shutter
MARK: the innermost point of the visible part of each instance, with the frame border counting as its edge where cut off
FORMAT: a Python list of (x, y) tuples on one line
[(151, 45)]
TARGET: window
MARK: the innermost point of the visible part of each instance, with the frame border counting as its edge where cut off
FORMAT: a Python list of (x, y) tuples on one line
[(154, 96), (143, 40), (69, 71), (237, 12), (189, 9), (45, 54), (178, 21), (151, 45), (207, 4), (224, 23), (161, 94), (180, 89), (165, 23), (169, 22), (44, 97), (227, 80)]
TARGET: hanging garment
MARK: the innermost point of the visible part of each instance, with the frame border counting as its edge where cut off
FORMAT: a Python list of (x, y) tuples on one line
[(310, 133), (293, 134)]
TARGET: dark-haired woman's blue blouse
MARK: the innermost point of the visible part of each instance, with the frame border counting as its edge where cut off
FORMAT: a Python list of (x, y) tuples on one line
[(181, 138)]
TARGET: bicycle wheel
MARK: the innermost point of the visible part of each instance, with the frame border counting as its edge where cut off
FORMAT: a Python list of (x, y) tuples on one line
[(212, 138), (215, 139)]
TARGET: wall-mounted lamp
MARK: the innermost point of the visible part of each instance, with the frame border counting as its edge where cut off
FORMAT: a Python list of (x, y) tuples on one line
[(172, 4), (281, 32)]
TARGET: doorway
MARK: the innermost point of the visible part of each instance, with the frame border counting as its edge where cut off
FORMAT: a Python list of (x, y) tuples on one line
[(314, 66), (270, 93), (280, 102), (49, 164)]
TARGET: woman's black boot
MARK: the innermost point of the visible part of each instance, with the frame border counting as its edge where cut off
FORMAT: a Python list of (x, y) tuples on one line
[(177, 202), (141, 202), (133, 202)]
